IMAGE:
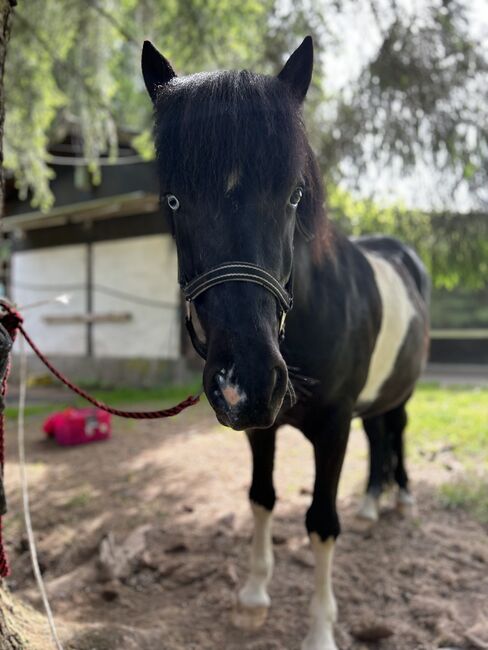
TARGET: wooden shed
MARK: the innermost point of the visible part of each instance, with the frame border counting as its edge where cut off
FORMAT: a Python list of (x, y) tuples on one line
[(109, 249)]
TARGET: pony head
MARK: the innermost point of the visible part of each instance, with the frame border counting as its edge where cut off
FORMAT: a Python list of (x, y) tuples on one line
[(236, 174)]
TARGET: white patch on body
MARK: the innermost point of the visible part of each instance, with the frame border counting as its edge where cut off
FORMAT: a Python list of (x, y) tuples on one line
[(254, 593), (369, 508), (323, 608), (398, 311), (231, 392)]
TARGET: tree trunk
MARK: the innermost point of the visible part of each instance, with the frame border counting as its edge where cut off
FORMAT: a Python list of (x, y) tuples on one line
[(7, 640), (5, 14), (13, 615)]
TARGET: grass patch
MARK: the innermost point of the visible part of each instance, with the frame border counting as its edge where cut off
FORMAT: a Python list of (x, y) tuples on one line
[(452, 415), (79, 499), (34, 409), (467, 494), (455, 417), (161, 396)]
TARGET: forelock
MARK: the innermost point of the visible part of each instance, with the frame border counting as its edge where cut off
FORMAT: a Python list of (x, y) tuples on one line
[(215, 131)]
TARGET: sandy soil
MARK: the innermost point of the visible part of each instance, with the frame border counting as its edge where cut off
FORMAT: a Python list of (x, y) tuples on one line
[(181, 485)]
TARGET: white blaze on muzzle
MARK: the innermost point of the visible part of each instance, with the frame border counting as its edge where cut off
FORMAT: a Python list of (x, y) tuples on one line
[(231, 392)]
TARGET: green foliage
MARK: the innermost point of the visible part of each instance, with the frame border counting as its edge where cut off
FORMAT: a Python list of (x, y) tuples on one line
[(57, 75), (452, 420), (419, 98), (453, 416), (454, 247), (460, 308), (73, 67), (33, 99)]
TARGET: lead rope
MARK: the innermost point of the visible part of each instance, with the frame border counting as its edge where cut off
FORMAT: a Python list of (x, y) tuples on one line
[(11, 323), (4, 568), (15, 323), (25, 496)]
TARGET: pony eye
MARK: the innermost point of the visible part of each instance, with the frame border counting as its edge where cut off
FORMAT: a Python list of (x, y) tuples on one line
[(296, 196), (173, 202)]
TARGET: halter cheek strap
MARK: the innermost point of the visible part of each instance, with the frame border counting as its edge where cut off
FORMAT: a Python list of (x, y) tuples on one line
[(234, 272)]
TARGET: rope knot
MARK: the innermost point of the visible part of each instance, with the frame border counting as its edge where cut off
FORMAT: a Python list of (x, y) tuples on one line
[(10, 319)]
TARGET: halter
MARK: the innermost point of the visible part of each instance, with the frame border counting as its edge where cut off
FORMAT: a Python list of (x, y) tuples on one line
[(235, 272)]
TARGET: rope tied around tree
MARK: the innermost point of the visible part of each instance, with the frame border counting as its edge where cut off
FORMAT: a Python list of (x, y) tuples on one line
[(11, 322)]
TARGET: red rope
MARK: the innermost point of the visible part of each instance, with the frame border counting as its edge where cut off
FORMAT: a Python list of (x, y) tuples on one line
[(12, 321), (134, 415), (16, 321)]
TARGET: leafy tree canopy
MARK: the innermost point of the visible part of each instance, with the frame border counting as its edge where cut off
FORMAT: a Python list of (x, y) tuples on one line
[(444, 241), (418, 96)]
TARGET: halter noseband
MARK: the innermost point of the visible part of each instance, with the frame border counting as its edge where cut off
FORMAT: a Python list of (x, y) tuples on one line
[(234, 272)]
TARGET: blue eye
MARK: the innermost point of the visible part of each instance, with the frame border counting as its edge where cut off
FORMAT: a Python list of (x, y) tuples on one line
[(173, 202), (296, 196)]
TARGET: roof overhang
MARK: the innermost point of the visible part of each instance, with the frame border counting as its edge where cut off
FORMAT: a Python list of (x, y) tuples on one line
[(108, 207)]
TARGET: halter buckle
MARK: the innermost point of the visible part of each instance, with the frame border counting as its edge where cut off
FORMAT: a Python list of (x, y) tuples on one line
[(281, 333)]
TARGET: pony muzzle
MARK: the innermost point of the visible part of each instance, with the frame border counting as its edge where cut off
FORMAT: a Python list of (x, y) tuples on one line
[(240, 404)]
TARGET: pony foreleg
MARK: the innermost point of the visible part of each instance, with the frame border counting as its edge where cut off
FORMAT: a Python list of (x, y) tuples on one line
[(253, 598), (254, 593), (323, 525), (323, 608)]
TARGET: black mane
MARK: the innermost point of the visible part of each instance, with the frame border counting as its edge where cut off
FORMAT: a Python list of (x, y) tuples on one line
[(210, 126)]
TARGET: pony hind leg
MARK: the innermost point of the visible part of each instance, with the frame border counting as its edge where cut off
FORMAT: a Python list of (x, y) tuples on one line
[(253, 598), (395, 423), (375, 430)]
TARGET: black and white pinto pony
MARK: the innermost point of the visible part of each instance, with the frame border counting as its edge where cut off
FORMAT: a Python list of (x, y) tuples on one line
[(244, 196)]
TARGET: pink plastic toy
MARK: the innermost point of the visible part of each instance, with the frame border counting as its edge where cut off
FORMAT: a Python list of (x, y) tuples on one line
[(78, 426)]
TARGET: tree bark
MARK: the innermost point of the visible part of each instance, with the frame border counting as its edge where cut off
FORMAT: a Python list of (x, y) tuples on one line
[(11, 637), (5, 20)]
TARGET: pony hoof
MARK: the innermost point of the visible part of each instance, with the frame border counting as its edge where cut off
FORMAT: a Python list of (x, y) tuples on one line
[(405, 502), (324, 642), (369, 509), (253, 595), (249, 618)]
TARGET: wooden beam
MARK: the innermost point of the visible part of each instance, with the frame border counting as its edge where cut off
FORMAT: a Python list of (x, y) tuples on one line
[(83, 319)]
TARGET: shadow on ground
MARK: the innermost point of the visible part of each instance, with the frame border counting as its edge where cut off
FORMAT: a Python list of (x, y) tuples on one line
[(423, 576)]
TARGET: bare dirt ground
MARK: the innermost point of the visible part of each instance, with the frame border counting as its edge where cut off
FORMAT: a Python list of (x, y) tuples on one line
[(180, 486)]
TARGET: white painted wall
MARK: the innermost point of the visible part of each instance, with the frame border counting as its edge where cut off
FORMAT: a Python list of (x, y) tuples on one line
[(142, 266), (146, 267), (51, 267)]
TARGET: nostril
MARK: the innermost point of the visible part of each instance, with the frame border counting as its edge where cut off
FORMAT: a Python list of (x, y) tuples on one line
[(280, 377)]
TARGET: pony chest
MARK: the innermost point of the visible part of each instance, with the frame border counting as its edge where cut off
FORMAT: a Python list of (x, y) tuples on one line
[(397, 314)]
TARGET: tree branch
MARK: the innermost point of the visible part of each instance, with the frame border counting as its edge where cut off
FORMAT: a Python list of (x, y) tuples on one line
[(114, 22), (94, 94)]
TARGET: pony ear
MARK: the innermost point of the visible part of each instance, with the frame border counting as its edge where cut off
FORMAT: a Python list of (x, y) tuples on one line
[(297, 72), (156, 70)]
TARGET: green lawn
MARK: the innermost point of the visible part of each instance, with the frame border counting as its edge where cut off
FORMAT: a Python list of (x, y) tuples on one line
[(160, 397), (456, 416)]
